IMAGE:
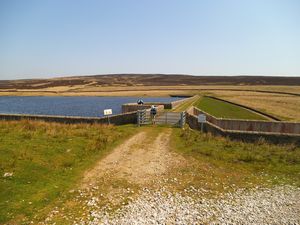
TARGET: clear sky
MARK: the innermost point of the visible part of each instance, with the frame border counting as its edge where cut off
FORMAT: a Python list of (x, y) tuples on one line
[(47, 38)]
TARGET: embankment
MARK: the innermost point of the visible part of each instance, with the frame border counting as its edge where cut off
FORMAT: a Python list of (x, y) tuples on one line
[(246, 107)]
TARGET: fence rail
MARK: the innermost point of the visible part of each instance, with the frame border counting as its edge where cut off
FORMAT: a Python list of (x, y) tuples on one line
[(171, 118)]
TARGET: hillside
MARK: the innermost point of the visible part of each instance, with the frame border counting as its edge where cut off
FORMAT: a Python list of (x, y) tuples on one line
[(146, 80)]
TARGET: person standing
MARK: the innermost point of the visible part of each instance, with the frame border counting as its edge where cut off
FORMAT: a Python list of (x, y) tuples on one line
[(153, 112)]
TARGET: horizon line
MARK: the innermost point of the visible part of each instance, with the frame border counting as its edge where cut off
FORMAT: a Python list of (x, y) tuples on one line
[(143, 74)]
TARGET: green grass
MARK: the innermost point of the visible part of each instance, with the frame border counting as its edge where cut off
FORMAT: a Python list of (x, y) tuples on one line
[(222, 109), (240, 162), (47, 160)]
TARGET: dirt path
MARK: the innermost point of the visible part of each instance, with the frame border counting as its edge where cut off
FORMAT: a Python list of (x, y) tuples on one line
[(143, 181), (139, 160)]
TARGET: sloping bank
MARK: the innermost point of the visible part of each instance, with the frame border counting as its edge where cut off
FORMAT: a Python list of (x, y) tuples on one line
[(246, 107)]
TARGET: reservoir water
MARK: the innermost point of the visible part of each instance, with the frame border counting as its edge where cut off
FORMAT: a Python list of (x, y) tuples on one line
[(87, 106)]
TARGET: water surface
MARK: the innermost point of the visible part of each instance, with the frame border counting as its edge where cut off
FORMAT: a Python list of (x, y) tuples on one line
[(86, 106)]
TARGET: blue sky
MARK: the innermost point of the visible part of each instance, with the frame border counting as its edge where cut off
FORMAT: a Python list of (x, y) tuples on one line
[(47, 38)]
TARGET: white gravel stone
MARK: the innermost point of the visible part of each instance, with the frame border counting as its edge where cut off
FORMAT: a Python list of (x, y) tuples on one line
[(280, 205), (8, 174)]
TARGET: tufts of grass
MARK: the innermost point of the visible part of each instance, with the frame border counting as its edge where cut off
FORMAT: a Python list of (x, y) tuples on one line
[(46, 160), (278, 163)]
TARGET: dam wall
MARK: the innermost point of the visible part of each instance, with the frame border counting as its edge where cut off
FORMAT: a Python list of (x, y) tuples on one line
[(246, 130), (119, 119)]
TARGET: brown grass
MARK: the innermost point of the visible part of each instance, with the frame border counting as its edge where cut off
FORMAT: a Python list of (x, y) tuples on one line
[(96, 90), (286, 107), (283, 106)]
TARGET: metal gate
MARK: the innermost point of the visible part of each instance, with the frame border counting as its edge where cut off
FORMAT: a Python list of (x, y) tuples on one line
[(171, 118)]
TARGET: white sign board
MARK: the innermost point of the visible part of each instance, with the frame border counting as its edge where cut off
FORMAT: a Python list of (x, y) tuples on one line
[(107, 112), (201, 118)]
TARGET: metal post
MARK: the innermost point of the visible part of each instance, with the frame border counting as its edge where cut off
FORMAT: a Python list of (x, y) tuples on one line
[(181, 120), (142, 117)]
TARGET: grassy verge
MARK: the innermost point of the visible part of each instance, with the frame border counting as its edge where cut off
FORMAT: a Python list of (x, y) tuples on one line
[(230, 163), (46, 160), (222, 109)]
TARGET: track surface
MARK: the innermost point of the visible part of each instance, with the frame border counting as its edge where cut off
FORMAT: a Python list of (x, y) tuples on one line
[(137, 183)]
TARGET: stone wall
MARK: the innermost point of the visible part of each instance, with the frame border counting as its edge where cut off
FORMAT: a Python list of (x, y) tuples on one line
[(251, 125), (247, 136), (120, 119)]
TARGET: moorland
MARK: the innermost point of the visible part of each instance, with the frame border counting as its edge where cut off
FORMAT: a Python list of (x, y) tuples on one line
[(91, 174)]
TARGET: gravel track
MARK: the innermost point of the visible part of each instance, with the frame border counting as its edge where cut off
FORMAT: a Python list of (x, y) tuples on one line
[(159, 202), (279, 205)]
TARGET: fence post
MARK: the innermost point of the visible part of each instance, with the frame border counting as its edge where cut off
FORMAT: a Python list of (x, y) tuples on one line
[(138, 118), (141, 117), (182, 119)]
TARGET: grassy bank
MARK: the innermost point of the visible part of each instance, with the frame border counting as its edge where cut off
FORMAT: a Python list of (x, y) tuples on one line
[(237, 163), (285, 107), (40, 161), (222, 109)]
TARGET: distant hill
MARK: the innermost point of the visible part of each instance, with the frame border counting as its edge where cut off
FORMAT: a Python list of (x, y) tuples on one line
[(147, 80)]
